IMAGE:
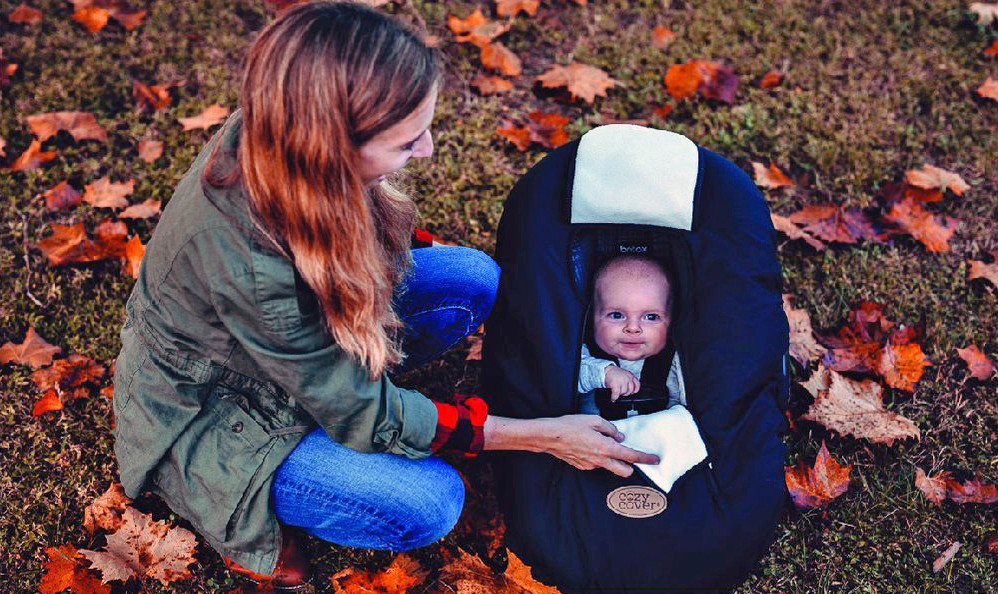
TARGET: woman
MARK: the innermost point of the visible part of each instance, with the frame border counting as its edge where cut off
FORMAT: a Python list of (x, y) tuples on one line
[(279, 288)]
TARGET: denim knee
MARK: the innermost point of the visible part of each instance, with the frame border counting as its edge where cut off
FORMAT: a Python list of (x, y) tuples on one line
[(433, 513), (483, 282)]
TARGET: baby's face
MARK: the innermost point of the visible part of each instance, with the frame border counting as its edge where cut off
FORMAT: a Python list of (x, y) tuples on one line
[(631, 318)]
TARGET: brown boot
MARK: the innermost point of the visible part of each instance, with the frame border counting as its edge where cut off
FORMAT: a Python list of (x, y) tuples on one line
[(292, 572)]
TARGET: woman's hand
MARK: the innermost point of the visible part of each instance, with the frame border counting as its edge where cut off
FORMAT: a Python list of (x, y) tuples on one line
[(584, 441)]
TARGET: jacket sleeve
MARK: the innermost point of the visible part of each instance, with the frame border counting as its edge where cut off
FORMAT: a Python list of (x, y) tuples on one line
[(257, 298), (592, 371)]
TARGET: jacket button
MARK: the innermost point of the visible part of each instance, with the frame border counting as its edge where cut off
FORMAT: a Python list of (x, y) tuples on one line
[(237, 427)]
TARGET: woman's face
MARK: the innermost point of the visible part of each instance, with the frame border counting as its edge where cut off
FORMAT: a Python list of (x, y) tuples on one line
[(391, 150)]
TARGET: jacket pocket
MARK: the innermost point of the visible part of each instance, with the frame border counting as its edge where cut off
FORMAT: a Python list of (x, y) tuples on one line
[(208, 470)]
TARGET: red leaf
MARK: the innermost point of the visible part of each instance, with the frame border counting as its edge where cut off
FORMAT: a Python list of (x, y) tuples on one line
[(520, 137), (490, 85), (834, 223), (683, 80), (509, 8), (992, 50), (770, 177), (32, 158), (979, 365), (93, 18), (818, 485), (34, 351), (154, 97), (771, 79), (912, 218), (63, 571), (61, 196), (403, 573), (548, 129), (24, 14), (662, 37), (48, 402), (105, 194), (476, 29), (81, 124)]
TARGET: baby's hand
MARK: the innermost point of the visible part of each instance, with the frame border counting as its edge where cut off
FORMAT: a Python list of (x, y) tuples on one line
[(620, 382)]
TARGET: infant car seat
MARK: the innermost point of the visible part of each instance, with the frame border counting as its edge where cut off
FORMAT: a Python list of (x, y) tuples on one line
[(629, 189)]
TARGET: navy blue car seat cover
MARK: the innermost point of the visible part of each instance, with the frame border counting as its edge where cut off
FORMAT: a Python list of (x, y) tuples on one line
[(729, 329)]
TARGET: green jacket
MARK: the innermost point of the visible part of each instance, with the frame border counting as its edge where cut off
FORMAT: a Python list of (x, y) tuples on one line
[(225, 366)]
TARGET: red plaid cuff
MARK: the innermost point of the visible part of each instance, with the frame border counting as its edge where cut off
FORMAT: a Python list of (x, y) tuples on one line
[(421, 238), (461, 426)]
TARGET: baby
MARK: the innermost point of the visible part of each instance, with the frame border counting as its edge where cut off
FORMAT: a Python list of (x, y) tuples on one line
[(632, 308)]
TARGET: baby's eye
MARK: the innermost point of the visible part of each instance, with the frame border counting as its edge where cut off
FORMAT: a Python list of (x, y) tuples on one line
[(615, 315), (653, 317)]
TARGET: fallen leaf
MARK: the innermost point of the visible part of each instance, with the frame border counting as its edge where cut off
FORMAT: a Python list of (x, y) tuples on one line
[(94, 18), (476, 29), (934, 178), (69, 377), (490, 85), (69, 244), (464, 573), (403, 573), (662, 37), (25, 15), (32, 158), (986, 12), (211, 116), (979, 365), (787, 227), (34, 351), (48, 402), (771, 79), (63, 571), (105, 512), (581, 80), (719, 81), (143, 547), (912, 218), (992, 50), (902, 365), (818, 485), (150, 150), (109, 231), (663, 111), (856, 408), (3, 144), (520, 137), (972, 491), (154, 97), (105, 194), (803, 345), (548, 129), (771, 177), (508, 8), (945, 558), (683, 80), (518, 572), (991, 542), (834, 223), (497, 56), (979, 269), (988, 89), (147, 209), (81, 124), (933, 487), (132, 259), (128, 19), (474, 351), (61, 196)]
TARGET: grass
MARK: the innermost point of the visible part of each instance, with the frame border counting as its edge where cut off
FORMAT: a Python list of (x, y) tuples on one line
[(871, 90)]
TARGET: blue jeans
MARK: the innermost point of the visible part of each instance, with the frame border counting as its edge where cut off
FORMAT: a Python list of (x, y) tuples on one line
[(387, 501)]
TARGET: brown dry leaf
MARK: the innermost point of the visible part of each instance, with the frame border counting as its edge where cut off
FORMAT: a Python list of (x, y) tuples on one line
[(818, 485), (520, 137), (143, 547), (972, 491), (32, 158), (991, 542), (497, 56), (803, 345), (25, 15), (771, 177), (465, 573), (912, 218), (69, 244), (933, 487), (787, 227), (150, 150), (518, 572), (992, 50), (94, 18), (986, 12), (81, 124), (508, 8), (147, 209), (834, 223), (661, 37), (153, 97), (855, 408), (63, 571), (979, 269), (771, 79), (34, 351), (945, 558), (105, 194), (403, 573), (105, 512), (211, 116), (979, 365), (128, 19), (490, 85), (69, 377), (132, 259), (988, 89), (581, 80), (61, 196), (934, 178), (719, 81)]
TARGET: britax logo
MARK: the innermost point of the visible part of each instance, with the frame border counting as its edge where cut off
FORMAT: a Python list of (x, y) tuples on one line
[(633, 249)]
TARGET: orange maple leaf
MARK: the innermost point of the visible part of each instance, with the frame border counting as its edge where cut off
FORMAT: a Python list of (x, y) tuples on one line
[(548, 129), (912, 218), (771, 79), (979, 365), (94, 18), (69, 244), (497, 56), (683, 80), (147, 209), (94, 14), (902, 365), (403, 573), (581, 80), (803, 345), (61, 196), (820, 484), (132, 259), (787, 227), (32, 158), (150, 150), (106, 511), (75, 371), (212, 115), (105, 194), (934, 178), (834, 223), (712, 79), (63, 570), (989, 89), (508, 8), (771, 177), (464, 572), (476, 29), (490, 85), (943, 486), (26, 15), (520, 137), (154, 97), (661, 37), (81, 124), (992, 50), (34, 351)]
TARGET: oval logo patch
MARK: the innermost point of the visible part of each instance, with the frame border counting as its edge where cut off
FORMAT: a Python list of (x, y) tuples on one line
[(636, 501)]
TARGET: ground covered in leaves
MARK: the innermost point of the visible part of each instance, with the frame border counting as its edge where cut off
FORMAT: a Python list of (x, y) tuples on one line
[(871, 127)]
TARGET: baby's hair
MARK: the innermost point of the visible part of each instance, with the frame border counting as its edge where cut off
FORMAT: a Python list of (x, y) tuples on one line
[(630, 260)]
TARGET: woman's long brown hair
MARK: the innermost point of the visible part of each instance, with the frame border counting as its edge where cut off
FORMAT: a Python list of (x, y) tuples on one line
[(319, 82)]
